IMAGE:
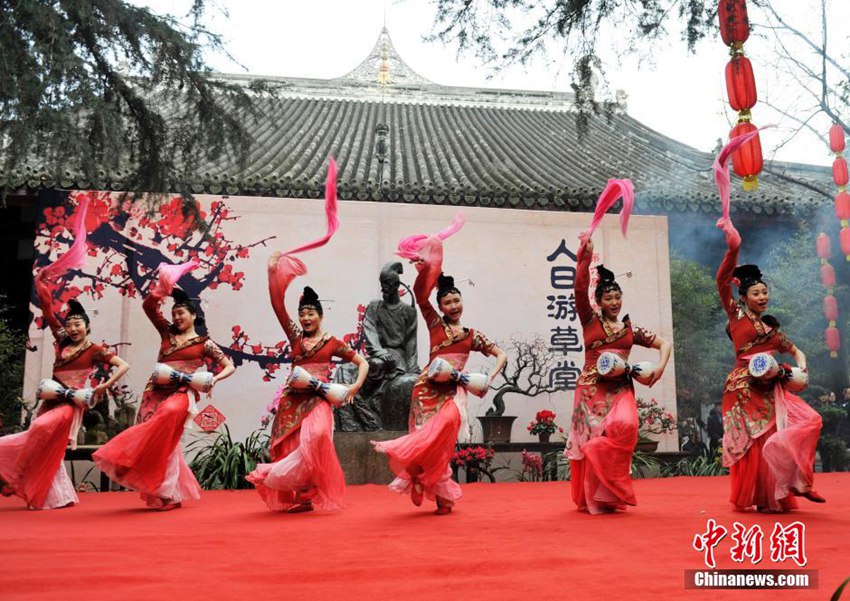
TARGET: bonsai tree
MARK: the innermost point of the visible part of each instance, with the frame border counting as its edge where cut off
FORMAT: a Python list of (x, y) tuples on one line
[(526, 373)]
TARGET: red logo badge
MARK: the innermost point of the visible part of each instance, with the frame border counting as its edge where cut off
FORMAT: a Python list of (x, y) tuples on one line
[(209, 418)]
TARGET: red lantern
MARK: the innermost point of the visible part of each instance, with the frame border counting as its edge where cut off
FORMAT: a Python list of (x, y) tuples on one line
[(836, 138), (823, 245), (740, 83), (842, 205), (827, 276), (830, 308), (734, 24), (839, 171), (833, 341), (844, 236), (747, 160)]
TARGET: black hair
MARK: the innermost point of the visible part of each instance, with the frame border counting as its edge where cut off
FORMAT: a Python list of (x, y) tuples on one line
[(446, 285), (607, 283), (181, 299), (310, 300), (748, 276), (76, 311)]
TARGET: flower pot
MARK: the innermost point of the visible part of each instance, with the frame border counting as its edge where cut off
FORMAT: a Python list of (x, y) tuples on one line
[(544, 436), (646, 446), (496, 428)]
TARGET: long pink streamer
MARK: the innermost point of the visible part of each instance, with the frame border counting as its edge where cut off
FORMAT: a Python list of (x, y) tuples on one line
[(169, 275), (288, 268), (616, 189), (330, 212), (75, 256), (721, 168), (411, 246)]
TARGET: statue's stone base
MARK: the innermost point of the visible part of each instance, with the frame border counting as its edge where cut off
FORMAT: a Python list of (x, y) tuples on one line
[(360, 462)]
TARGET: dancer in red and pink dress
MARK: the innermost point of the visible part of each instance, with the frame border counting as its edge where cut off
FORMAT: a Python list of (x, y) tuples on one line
[(147, 457), (421, 459), (31, 462), (604, 427), (769, 435), (305, 471)]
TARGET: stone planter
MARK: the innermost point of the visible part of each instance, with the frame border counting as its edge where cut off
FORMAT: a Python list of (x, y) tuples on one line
[(497, 428)]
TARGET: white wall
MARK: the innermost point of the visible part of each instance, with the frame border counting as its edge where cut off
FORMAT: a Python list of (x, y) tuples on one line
[(503, 251)]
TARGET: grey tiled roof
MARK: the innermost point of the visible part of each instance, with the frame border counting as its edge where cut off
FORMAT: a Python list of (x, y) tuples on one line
[(466, 146)]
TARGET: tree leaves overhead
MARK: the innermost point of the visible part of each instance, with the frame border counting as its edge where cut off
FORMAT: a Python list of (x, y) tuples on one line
[(109, 90), (488, 28)]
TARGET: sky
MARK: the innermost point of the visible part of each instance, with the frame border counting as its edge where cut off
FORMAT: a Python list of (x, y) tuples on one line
[(679, 94)]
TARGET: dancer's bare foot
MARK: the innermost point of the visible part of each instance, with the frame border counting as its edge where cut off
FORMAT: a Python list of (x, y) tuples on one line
[(168, 506), (442, 510)]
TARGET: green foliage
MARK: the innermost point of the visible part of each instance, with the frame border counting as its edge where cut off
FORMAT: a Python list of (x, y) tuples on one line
[(12, 349), (833, 453), (105, 88), (701, 465), (221, 463), (703, 352), (792, 271), (643, 465)]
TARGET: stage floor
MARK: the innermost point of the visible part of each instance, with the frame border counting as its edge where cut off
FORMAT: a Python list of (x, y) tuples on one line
[(503, 541)]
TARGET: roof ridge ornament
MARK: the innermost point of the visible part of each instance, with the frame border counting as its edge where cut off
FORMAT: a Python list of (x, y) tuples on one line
[(384, 66)]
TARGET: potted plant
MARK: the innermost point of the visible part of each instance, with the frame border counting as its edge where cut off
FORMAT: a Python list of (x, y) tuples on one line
[(527, 374), (543, 425), (475, 461), (652, 419)]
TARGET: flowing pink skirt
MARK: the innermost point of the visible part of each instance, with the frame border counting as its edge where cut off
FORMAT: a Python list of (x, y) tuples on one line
[(601, 481), (779, 461), (147, 457), (309, 469), (426, 454), (31, 462)]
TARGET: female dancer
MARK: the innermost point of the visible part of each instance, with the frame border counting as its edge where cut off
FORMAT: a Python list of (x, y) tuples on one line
[(420, 460), (604, 427), (31, 462), (306, 471), (147, 457), (769, 434)]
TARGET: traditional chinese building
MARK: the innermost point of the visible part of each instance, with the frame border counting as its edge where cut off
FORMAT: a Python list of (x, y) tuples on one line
[(400, 138)]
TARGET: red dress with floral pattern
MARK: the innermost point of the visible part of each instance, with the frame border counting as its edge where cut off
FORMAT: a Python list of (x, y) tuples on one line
[(604, 427), (31, 462), (147, 457), (305, 465), (437, 410), (769, 434)]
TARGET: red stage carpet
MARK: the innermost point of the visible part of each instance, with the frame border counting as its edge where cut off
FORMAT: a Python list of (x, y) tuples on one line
[(504, 541)]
